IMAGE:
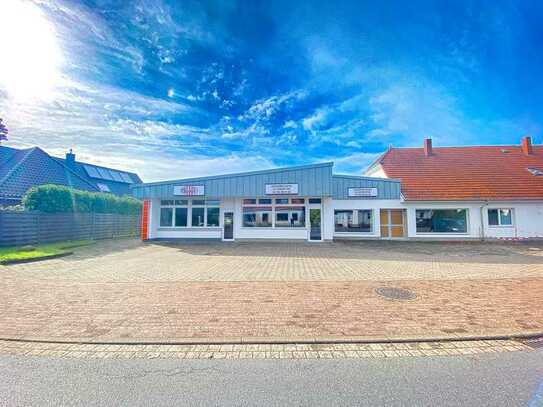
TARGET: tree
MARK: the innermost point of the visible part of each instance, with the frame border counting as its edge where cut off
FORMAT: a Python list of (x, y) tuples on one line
[(3, 131)]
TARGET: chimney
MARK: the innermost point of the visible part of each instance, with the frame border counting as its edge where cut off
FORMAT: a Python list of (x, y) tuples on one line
[(70, 158), (428, 147), (526, 145)]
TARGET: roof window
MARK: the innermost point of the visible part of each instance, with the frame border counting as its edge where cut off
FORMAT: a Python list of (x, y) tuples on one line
[(535, 171)]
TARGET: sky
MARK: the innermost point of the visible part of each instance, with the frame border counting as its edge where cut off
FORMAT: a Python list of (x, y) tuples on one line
[(174, 89)]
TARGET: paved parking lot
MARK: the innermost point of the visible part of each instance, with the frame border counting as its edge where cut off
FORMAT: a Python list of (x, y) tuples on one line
[(133, 261), (129, 291)]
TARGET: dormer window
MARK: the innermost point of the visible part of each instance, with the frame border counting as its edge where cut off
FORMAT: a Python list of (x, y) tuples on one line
[(535, 171)]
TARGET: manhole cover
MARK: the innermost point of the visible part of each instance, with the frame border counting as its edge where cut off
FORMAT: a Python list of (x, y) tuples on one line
[(395, 293)]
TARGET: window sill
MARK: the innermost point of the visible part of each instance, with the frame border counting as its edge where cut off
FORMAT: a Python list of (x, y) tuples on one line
[(501, 226), (442, 234), (191, 228)]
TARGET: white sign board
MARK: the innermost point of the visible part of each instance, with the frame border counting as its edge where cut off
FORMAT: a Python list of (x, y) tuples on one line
[(281, 189), (362, 191), (188, 190)]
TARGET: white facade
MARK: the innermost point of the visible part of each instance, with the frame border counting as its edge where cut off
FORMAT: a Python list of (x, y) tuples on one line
[(526, 221)]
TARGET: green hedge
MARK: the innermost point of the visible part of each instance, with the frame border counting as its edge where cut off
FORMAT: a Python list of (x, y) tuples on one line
[(57, 198)]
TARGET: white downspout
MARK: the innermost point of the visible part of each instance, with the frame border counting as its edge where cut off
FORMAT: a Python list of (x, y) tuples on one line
[(483, 220)]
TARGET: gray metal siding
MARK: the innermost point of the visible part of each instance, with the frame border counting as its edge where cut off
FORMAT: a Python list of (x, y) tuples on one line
[(314, 180), (386, 189)]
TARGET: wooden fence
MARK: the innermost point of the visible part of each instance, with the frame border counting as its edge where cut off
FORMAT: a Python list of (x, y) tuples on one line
[(22, 228)]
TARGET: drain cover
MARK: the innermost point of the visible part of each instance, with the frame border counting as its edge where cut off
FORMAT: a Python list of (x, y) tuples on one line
[(395, 293)]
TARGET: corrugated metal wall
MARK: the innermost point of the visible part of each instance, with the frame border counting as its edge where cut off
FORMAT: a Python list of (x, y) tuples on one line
[(314, 180), (386, 189)]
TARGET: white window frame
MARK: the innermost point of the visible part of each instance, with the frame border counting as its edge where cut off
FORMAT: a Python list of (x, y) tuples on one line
[(372, 226), (499, 225), (467, 232), (273, 211), (189, 207)]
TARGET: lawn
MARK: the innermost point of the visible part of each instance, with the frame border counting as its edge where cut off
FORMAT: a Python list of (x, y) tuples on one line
[(15, 253)]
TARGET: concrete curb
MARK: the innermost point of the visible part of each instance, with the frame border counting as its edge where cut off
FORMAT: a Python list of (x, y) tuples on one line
[(283, 341), (35, 259)]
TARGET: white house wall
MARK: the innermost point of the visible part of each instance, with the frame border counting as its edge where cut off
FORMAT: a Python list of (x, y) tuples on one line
[(527, 220)]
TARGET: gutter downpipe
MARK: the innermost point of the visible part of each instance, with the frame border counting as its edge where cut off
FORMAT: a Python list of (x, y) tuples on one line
[(482, 220)]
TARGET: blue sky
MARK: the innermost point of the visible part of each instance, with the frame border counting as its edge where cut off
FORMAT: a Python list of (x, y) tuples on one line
[(187, 88)]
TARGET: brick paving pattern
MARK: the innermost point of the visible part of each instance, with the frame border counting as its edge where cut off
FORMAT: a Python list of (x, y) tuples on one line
[(261, 351), (129, 291)]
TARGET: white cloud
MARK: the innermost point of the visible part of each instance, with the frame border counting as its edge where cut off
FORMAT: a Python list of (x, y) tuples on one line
[(311, 122), (290, 124)]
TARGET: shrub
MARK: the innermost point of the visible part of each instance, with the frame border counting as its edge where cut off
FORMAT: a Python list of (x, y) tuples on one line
[(57, 198)]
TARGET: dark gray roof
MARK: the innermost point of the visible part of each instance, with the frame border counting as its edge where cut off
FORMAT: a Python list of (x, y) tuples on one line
[(21, 169)]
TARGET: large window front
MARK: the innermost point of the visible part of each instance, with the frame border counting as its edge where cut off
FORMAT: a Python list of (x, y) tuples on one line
[(500, 217), (290, 216), (353, 220), (257, 216), (442, 220), (278, 212), (178, 212)]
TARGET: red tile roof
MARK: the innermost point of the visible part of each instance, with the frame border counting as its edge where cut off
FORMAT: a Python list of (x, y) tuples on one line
[(466, 173)]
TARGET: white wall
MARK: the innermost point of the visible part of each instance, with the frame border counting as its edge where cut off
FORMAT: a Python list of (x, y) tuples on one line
[(527, 220)]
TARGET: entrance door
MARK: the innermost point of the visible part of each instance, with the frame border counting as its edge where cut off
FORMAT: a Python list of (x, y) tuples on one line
[(228, 226), (315, 224), (392, 223)]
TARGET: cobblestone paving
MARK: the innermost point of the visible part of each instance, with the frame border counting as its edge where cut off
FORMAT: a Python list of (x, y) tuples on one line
[(131, 291), (262, 351), (132, 261)]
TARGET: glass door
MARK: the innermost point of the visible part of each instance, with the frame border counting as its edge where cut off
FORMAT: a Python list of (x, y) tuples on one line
[(315, 224), (228, 226)]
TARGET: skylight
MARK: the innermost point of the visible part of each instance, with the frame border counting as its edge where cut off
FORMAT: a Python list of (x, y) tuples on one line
[(535, 171)]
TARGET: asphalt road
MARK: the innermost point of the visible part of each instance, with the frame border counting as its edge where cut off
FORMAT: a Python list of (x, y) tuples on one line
[(505, 379)]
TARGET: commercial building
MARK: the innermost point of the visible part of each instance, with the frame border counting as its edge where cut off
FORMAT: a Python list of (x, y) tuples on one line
[(422, 193)]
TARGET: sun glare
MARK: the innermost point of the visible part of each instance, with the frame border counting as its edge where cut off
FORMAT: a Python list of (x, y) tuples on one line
[(31, 56)]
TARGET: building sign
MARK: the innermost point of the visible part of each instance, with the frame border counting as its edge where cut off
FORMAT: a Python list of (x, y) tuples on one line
[(188, 190), (363, 192), (281, 189)]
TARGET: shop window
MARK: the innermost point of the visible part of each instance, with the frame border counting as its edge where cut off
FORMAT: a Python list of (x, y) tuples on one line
[(257, 217), (442, 220), (290, 216), (198, 202), (500, 217), (181, 215), (181, 202), (166, 215), (197, 217), (213, 216), (297, 201), (265, 201), (281, 201), (314, 200), (249, 202), (353, 221), (166, 202)]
